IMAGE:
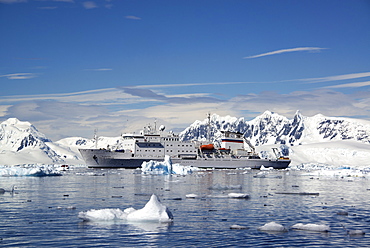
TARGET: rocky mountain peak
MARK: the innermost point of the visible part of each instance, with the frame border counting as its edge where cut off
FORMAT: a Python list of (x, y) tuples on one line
[(16, 135), (272, 128)]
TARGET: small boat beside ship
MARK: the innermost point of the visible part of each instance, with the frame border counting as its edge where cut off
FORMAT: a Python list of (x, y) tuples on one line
[(152, 145)]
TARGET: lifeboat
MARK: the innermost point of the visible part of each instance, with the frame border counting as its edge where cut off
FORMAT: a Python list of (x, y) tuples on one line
[(207, 147)]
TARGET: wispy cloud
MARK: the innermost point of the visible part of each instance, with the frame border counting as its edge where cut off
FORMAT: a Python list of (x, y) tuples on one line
[(89, 5), (132, 17), (179, 99), (349, 85), (189, 84), (335, 78), (19, 75), (101, 96), (297, 49), (99, 69), (308, 80)]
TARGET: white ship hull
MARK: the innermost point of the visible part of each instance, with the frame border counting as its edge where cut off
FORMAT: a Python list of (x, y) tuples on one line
[(100, 158)]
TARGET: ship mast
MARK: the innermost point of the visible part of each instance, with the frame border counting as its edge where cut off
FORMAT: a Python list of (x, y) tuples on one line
[(209, 127), (155, 125), (96, 138)]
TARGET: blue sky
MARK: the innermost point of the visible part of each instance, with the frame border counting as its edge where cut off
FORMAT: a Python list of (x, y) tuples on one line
[(71, 66)]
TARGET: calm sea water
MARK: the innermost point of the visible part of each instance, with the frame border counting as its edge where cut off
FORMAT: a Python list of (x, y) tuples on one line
[(43, 211)]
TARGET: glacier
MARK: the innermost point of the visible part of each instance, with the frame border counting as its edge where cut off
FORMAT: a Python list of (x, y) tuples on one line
[(320, 140)]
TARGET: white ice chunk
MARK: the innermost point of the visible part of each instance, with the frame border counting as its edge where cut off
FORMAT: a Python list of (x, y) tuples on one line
[(261, 174), (272, 227), (152, 211), (311, 227), (166, 167), (238, 195), (192, 196), (106, 214), (238, 227)]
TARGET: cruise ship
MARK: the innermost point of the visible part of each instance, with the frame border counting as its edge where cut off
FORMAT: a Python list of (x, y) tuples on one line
[(233, 152)]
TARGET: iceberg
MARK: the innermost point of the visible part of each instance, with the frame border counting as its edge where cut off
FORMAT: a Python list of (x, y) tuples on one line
[(166, 168), (153, 211), (28, 170)]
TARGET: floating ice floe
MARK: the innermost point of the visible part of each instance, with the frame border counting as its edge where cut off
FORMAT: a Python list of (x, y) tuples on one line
[(238, 227), (192, 196), (238, 195), (263, 168), (166, 168), (272, 227), (355, 233), (153, 211), (229, 195), (225, 187), (29, 170), (68, 208), (311, 227), (266, 174)]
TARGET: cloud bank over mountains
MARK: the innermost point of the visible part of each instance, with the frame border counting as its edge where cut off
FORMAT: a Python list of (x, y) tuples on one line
[(129, 108), (113, 110)]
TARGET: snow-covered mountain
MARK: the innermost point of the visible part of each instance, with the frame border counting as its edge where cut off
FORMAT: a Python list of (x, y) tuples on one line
[(21, 142), (271, 128), (317, 139)]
